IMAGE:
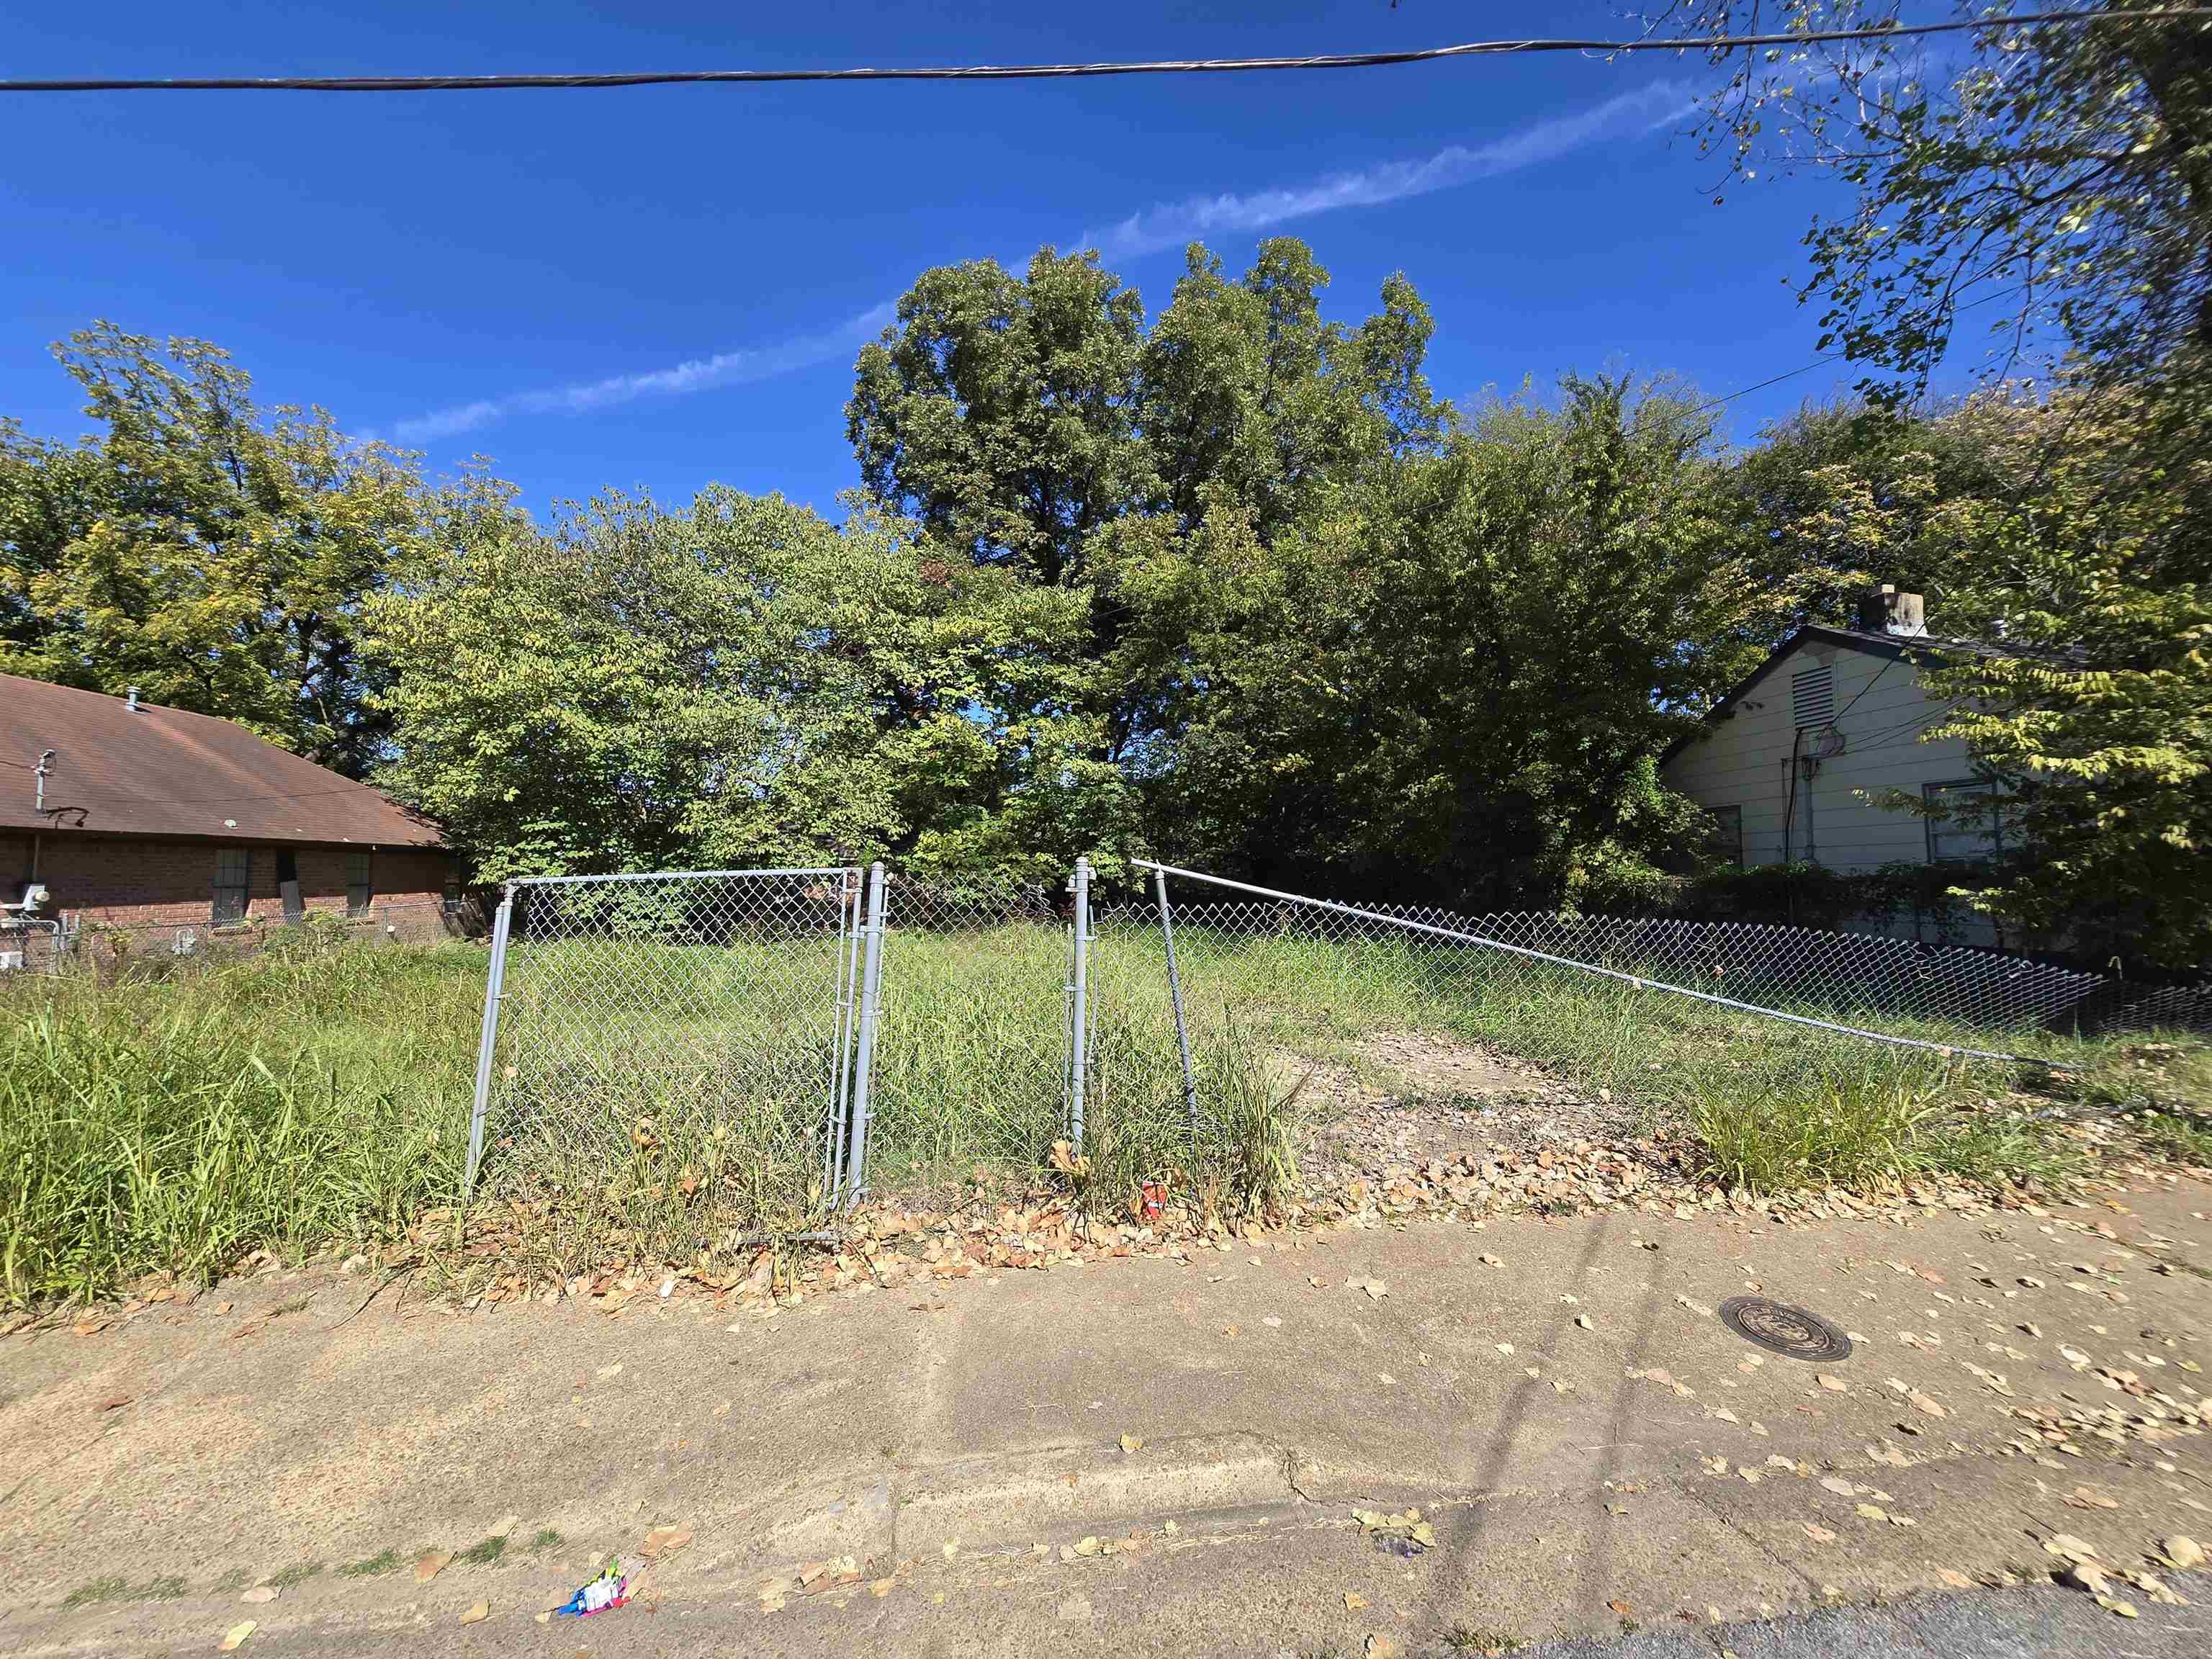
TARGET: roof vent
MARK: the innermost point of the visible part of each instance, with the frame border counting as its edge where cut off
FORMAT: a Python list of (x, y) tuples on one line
[(132, 692), (1886, 610)]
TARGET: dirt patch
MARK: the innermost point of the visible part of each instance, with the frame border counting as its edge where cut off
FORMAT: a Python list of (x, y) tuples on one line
[(1409, 1098)]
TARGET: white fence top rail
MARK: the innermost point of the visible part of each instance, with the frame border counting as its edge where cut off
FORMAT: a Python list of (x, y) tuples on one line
[(679, 875)]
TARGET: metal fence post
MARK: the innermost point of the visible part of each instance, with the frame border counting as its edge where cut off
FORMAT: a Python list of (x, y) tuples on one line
[(851, 895), (1079, 1023), (872, 973), (1174, 999), (494, 981)]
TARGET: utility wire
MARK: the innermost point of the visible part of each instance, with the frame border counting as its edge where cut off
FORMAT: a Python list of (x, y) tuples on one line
[(1072, 71)]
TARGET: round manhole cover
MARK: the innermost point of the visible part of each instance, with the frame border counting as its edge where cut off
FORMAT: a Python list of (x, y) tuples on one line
[(1780, 1328)]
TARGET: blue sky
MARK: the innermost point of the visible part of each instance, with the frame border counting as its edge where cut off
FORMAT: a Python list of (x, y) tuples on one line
[(654, 288)]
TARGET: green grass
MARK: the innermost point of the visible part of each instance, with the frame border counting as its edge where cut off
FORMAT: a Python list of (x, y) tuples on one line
[(657, 1102), (291, 1578), (385, 1561), (484, 1553)]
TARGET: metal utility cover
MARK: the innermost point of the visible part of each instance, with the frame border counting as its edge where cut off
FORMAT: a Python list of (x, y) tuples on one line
[(1793, 1333)]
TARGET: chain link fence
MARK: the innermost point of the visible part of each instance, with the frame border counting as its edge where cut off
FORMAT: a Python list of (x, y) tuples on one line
[(784, 1037), (970, 1037), (673, 1032)]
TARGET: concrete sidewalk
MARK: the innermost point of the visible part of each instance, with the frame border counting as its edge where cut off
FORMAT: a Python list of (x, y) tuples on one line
[(1134, 1456)]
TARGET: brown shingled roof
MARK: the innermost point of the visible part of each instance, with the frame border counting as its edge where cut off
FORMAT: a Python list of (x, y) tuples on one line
[(163, 772)]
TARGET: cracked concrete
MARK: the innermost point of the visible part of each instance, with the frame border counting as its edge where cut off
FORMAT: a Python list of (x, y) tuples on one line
[(956, 1442)]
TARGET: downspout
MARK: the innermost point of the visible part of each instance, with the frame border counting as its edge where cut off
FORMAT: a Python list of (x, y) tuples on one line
[(1789, 824)]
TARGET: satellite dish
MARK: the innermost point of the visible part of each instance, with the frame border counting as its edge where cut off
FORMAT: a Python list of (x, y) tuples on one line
[(1827, 743)]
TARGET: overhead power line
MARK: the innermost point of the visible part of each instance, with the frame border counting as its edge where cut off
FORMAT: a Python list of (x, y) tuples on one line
[(1347, 60)]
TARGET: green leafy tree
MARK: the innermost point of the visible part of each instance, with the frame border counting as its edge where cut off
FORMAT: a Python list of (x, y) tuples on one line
[(739, 684), (2059, 174), (2099, 718), (214, 555), (1453, 684), (1001, 411)]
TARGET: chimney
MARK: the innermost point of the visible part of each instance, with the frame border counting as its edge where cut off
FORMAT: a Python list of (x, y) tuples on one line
[(1886, 610), (132, 692)]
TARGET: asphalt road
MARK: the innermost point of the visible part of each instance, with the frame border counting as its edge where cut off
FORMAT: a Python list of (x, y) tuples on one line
[(2037, 1622)]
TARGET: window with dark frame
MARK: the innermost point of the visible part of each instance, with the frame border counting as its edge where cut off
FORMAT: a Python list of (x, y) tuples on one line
[(1727, 833), (234, 882), (361, 890), (1968, 825)]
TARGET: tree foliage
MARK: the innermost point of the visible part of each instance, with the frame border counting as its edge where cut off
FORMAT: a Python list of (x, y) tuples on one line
[(214, 555), (1399, 695), (2060, 175), (737, 683)]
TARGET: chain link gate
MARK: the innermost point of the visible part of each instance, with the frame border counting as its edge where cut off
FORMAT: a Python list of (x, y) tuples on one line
[(695, 1024), (702, 1017)]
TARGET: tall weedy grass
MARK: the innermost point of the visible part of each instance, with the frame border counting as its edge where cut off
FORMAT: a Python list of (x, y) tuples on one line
[(292, 1098), (311, 1096)]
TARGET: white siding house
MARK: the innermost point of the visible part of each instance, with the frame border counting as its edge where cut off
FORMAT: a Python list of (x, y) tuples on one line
[(1789, 759)]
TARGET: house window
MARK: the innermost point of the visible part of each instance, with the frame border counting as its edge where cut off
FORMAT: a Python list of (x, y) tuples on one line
[(1966, 822), (1812, 697), (233, 881), (360, 890), (1727, 833)]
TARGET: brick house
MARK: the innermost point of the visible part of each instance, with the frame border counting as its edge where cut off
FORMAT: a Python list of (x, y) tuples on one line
[(174, 828)]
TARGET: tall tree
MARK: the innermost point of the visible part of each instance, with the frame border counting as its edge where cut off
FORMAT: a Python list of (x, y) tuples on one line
[(214, 555), (1455, 682), (2060, 175), (1001, 411), (737, 683)]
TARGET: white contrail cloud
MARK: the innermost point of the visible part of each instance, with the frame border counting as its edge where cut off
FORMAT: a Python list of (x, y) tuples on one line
[(695, 374), (1165, 225), (1173, 224)]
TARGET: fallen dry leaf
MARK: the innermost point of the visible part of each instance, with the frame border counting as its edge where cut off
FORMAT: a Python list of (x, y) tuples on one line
[(1377, 1290), (431, 1563), (476, 1614), (664, 1541), (261, 1593), (1352, 1603), (235, 1637), (1955, 1580), (1130, 1441), (1622, 1609), (1380, 1646), (1819, 1535), (1834, 1384), (2185, 1552), (1921, 1402)]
